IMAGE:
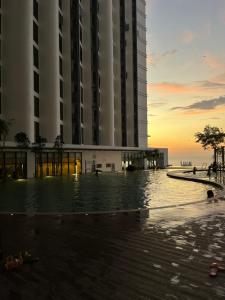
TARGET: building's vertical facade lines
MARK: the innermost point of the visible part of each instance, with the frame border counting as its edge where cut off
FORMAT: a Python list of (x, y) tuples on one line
[(60, 67), (117, 73), (96, 130), (65, 58), (51, 85), (135, 72), (76, 69), (17, 66), (36, 69), (123, 73), (86, 91), (141, 72), (106, 72), (129, 74), (1, 98)]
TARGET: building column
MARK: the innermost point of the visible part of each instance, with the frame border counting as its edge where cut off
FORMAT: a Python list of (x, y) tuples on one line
[(49, 70), (17, 76), (106, 73)]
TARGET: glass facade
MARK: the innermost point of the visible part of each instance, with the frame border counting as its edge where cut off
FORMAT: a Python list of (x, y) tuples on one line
[(134, 158), (57, 163), (13, 164)]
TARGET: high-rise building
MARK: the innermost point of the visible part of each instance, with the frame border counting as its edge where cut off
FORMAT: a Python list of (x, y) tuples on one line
[(74, 68)]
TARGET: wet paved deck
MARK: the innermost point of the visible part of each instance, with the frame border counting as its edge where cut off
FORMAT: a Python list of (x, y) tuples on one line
[(115, 257)]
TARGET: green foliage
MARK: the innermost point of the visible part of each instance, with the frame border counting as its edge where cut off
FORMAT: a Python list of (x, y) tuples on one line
[(22, 139), (210, 137)]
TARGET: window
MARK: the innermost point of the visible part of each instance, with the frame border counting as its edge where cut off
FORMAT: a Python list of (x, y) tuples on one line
[(81, 94), (60, 44), (82, 135), (82, 115), (81, 55), (60, 21), (61, 111), (81, 35), (61, 88), (36, 107), (35, 57), (98, 166), (81, 75), (36, 82), (35, 9), (61, 131), (0, 103), (60, 4), (60, 66), (35, 32), (108, 165), (36, 131)]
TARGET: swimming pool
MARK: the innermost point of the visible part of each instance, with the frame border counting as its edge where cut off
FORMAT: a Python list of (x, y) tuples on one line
[(106, 192)]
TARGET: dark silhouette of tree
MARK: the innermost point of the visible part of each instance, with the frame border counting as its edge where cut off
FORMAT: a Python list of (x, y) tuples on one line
[(211, 137), (22, 139)]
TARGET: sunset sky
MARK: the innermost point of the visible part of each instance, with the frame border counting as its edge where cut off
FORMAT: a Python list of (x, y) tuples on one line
[(186, 74)]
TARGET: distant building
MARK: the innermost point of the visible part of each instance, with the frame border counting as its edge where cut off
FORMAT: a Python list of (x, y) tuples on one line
[(75, 69)]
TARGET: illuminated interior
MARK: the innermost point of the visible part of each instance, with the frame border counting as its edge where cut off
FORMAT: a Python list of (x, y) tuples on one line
[(13, 164), (57, 163)]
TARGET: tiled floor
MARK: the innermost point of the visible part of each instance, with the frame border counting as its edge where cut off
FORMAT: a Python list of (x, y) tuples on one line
[(112, 257)]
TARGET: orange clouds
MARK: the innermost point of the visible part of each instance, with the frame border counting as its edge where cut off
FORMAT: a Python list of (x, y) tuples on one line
[(171, 88), (187, 37)]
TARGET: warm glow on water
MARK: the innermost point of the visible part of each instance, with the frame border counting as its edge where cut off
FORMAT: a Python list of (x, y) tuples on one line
[(99, 193)]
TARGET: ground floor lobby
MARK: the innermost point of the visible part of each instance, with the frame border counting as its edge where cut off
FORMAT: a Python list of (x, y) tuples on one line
[(26, 163)]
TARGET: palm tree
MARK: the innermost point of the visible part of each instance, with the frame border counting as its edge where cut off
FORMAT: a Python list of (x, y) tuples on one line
[(4, 130), (211, 137), (22, 139)]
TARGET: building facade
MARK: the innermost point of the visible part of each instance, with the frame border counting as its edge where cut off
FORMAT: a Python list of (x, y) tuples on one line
[(74, 68)]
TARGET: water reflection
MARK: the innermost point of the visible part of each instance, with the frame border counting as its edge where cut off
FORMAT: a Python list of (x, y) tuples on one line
[(98, 193)]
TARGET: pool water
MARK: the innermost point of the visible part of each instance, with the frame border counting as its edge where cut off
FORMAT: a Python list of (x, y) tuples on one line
[(91, 193)]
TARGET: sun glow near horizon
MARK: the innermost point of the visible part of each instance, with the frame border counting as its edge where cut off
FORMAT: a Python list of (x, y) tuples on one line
[(186, 77)]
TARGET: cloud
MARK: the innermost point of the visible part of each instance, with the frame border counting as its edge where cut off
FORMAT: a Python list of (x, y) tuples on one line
[(203, 105), (157, 104), (187, 37), (210, 84), (172, 88), (156, 58)]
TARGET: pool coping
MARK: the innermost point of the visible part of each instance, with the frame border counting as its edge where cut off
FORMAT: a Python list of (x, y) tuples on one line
[(179, 175), (139, 212)]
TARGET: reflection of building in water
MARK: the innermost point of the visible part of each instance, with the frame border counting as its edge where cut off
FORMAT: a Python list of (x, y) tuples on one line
[(79, 72)]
